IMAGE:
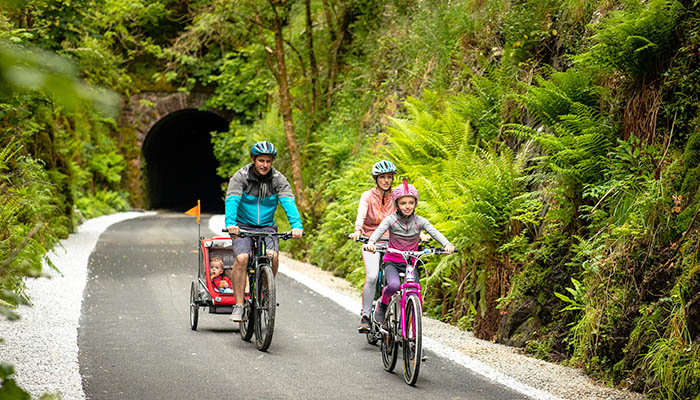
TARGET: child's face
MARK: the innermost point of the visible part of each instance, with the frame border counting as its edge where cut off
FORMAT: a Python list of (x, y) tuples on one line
[(406, 205), (216, 269)]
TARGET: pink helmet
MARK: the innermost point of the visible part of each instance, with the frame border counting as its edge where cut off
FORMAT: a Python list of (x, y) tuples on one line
[(403, 190)]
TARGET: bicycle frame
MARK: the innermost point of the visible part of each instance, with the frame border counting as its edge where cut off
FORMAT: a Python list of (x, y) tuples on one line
[(259, 308), (408, 286)]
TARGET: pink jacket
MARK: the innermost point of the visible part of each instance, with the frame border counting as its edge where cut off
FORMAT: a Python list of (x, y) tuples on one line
[(373, 209)]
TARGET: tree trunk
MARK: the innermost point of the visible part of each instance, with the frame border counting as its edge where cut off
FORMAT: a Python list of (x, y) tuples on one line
[(335, 52), (312, 58), (286, 111)]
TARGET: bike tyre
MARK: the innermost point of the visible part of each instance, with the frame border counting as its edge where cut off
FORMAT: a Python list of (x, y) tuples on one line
[(194, 307), (389, 345), (265, 311), (413, 344), (373, 336), (245, 327)]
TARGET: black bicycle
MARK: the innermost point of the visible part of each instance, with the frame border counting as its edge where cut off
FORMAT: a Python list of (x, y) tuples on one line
[(260, 301)]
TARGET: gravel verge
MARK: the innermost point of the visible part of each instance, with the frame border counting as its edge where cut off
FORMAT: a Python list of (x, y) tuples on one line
[(43, 344)]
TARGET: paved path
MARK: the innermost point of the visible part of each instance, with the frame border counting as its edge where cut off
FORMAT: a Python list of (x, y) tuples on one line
[(135, 341)]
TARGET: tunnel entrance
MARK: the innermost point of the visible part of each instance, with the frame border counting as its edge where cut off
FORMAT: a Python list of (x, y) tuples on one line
[(180, 163)]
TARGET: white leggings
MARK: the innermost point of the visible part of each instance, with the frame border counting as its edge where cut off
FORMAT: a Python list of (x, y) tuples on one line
[(371, 261)]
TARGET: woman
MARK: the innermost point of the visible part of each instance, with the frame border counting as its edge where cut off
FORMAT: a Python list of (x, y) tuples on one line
[(375, 205)]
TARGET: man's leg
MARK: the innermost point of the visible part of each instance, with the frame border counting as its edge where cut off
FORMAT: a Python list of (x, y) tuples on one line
[(240, 275), (275, 261)]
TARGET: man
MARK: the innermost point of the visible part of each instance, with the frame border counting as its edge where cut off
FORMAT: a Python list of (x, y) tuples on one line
[(251, 201)]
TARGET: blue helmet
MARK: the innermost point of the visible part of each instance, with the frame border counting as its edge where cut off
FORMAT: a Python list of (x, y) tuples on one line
[(383, 167), (263, 147)]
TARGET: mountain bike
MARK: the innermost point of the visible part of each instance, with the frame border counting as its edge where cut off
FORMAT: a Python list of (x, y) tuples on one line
[(403, 323), (373, 336), (260, 303)]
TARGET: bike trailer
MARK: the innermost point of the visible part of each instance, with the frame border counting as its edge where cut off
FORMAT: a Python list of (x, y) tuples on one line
[(220, 247)]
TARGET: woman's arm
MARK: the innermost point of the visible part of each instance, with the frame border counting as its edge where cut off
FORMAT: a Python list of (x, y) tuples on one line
[(362, 211)]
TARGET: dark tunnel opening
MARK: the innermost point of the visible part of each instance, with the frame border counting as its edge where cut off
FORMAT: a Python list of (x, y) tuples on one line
[(180, 163)]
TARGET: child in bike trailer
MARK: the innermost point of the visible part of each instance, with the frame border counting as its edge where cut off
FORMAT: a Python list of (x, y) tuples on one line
[(404, 228), (221, 282), (375, 205)]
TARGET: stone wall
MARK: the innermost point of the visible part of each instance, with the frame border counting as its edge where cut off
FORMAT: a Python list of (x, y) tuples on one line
[(138, 114)]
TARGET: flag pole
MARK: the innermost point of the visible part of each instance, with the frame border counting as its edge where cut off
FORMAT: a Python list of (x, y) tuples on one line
[(196, 211)]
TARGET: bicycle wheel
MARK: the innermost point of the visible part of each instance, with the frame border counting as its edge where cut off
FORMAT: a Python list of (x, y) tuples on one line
[(389, 346), (373, 335), (413, 344), (245, 327), (194, 308), (265, 311)]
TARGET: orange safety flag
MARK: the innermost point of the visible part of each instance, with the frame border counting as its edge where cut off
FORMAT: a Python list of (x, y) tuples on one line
[(194, 211)]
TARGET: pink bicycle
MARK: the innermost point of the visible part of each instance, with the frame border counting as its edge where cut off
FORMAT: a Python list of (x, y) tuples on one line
[(403, 323)]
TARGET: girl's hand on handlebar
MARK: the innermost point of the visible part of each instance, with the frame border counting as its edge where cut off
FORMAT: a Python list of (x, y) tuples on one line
[(297, 233), (355, 235), (370, 246), (450, 248)]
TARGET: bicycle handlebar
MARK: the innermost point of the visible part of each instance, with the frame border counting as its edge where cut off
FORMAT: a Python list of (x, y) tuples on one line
[(244, 234), (365, 239), (417, 253)]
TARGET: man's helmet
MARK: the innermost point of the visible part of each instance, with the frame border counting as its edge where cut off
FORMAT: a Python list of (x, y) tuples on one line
[(263, 147), (403, 190), (383, 167)]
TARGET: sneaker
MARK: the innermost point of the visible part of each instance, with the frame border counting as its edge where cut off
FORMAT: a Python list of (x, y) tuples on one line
[(237, 314), (379, 313), (364, 325)]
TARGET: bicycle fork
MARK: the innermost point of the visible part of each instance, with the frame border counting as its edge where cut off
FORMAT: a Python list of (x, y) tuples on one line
[(405, 290)]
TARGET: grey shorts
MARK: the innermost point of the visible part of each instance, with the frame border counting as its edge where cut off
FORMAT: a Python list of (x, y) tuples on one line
[(245, 245)]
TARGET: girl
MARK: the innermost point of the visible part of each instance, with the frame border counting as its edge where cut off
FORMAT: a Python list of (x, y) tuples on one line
[(404, 234), (375, 205)]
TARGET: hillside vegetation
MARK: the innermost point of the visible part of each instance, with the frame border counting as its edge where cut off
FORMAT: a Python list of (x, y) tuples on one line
[(556, 143)]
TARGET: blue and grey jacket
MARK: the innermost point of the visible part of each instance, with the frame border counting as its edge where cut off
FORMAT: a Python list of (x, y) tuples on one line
[(252, 199)]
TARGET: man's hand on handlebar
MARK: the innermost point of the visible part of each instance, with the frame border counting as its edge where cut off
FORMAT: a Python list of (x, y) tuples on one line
[(233, 230), (297, 233)]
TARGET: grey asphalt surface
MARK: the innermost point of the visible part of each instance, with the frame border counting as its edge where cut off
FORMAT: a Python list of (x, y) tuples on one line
[(136, 343)]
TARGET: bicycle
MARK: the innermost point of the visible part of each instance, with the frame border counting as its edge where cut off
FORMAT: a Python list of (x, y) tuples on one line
[(373, 336), (260, 303), (403, 322)]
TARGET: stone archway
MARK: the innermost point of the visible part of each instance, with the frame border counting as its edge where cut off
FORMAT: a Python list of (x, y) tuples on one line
[(176, 165)]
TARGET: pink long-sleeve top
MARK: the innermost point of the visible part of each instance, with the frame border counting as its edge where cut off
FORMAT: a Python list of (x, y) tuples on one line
[(375, 205)]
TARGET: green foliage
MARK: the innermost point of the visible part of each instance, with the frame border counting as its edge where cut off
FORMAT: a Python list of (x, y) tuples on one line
[(25, 233), (637, 40), (577, 300), (8, 386), (673, 357), (243, 85)]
